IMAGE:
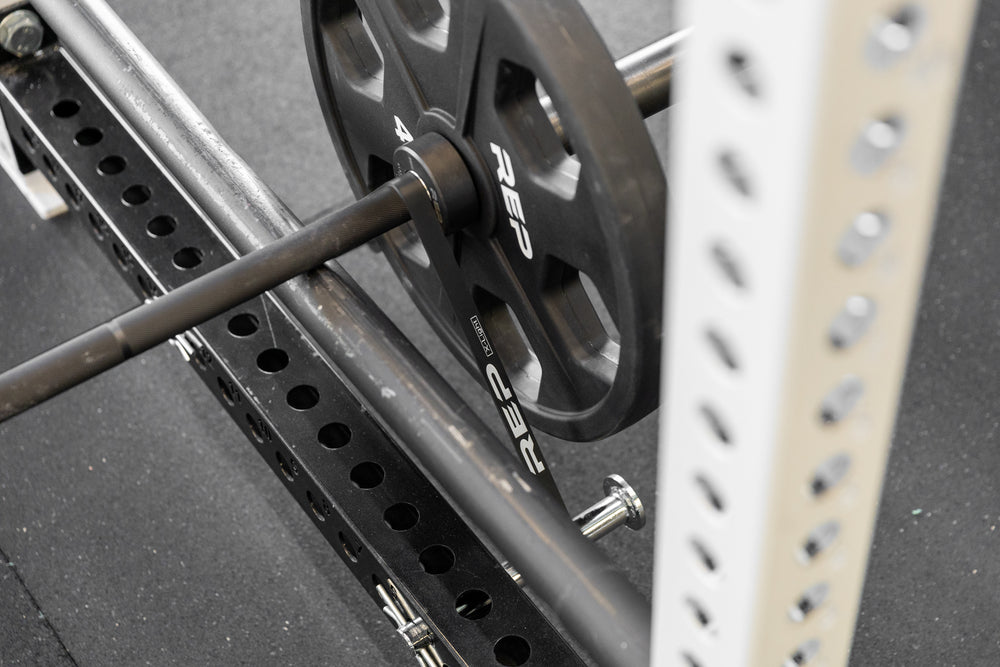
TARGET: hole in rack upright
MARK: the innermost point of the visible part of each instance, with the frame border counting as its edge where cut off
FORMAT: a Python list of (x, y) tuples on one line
[(66, 108), (243, 325), (743, 72), (704, 557), (367, 475), (811, 599), (334, 435), (97, 225), (88, 136), (316, 506), (512, 651), (709, 494), (350, 548), (255, 430), (401, 516), (829, 473), (188, 258), (111, 165), (136, 195), (716, 424), (285, 468), (818, 541), (699, 614), (726, 261), (161, 225), (722, 349), (272, 360), (225, 391), (302, 397), (437, 559), (473, 604)]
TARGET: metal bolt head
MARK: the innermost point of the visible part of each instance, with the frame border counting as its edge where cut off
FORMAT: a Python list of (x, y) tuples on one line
[(21, 33), (615, 486)]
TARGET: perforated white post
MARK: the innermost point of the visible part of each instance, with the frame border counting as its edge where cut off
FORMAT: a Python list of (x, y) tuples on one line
[(808, 148)]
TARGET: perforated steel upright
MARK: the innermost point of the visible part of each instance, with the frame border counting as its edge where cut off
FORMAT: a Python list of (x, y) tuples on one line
[(810, 139)]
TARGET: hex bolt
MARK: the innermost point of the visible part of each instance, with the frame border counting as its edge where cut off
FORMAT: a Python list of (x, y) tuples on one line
[(21, 33), (619, 506)]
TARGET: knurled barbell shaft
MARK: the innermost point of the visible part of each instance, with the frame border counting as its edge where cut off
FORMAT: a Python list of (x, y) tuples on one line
[(647, 73), (135, 331)]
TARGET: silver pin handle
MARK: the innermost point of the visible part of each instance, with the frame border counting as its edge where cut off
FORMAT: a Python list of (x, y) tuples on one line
[(619, 506)]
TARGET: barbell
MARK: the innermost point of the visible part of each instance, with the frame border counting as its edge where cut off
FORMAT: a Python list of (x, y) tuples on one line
[(544, 187)]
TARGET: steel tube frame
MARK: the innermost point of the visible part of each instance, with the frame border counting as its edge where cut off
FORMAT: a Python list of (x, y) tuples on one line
[(594, 600)]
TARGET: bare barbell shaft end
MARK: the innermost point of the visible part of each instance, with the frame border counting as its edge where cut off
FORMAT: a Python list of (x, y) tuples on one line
[(648, 73), (620, 506)]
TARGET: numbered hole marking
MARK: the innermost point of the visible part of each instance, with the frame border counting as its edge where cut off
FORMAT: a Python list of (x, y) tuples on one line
[(404, 134)]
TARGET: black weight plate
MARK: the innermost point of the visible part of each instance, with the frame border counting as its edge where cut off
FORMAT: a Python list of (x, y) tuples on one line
[(566, 257)]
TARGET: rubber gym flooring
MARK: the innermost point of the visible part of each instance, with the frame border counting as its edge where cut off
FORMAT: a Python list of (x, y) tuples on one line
[(137, 526)]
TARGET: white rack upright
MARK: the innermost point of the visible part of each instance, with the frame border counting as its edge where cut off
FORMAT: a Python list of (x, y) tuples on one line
[(809, 141)]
